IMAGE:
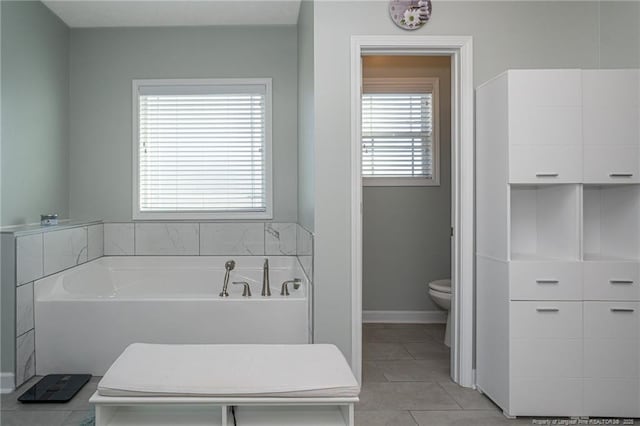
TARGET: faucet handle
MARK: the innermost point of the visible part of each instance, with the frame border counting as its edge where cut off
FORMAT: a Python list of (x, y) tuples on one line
[(246, 291), (285, 286)]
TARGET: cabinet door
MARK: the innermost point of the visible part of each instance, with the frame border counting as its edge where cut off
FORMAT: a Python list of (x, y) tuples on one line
[(546, 358), (611, 107), (612, 359), (545, 107), (611, 163)]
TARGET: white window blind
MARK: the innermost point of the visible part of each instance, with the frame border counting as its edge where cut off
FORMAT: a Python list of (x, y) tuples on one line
[(202, 148), (398, 130)]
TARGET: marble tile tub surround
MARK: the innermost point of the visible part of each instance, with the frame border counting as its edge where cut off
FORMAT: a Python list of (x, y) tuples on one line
[(24, 309), (64, 249), (29, 259), (209, 239), (42, 251), (167, 239), (25, 357)]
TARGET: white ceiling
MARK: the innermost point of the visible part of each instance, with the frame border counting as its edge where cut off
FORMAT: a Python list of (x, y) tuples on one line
[(158, 13)]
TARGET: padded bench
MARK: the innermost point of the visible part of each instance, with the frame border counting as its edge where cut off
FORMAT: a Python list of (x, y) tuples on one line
[(152, 384)]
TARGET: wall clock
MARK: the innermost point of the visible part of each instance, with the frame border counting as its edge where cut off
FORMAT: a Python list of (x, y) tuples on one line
[(410, 14)]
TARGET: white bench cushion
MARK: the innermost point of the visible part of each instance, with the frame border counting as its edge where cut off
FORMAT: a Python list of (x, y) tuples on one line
[(230, 371)]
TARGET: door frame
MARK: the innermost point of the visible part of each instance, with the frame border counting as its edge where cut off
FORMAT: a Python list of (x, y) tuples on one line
[(460, 49)]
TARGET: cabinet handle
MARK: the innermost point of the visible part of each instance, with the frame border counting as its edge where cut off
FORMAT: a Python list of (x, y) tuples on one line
[(620, 281), (622, 310), (547, 309), (550, 281), (546, 174), (615, 175)]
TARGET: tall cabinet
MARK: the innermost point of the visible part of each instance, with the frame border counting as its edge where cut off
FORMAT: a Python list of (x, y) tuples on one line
[(558, 242)]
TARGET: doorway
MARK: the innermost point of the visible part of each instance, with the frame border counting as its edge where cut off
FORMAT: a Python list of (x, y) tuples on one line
[(459, 50), (406, 197)]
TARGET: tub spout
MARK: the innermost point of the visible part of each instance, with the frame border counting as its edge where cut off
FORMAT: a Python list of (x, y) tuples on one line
[(266, 289), (228, 266)]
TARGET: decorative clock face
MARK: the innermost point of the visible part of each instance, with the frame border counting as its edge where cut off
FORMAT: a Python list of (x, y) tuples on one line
[(410, 14)]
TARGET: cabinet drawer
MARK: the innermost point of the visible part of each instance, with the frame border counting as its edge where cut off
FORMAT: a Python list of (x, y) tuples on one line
[(610, 163), (545, 280), (607, 320), (559, 358), (611, 397), (545, 164), (611, 281), (546, 397), (612, 358), (546, 320)]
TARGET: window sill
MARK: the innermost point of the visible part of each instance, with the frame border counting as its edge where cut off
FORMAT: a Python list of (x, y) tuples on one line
[(380, 181), (194, 216)]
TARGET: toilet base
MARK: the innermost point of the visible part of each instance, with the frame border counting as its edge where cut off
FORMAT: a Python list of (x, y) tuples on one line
[(447, 330)]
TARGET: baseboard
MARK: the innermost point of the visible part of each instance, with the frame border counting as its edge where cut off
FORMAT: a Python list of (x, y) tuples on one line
[(7, 382), (422, 317)]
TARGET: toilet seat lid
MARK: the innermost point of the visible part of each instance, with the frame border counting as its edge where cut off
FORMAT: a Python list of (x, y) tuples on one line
[(443, 286)]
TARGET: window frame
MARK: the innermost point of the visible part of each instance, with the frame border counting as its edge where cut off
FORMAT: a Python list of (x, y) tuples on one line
[(204, 215), (388, 85)]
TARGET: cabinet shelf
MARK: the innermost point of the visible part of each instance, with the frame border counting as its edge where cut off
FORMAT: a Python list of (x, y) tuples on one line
[(610, 222), (166, 416), (543, 222)]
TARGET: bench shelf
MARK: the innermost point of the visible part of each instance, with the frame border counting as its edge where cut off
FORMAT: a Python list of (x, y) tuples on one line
[(205, 411)]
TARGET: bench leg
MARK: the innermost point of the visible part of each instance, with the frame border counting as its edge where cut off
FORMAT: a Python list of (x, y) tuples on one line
[(104, 414), (225, 415), (348, 414)]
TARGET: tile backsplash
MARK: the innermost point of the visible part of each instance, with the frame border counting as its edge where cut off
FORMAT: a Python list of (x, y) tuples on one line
[(240, 239), (64, 249), (119, 239), (171, 238), (207, 239), (29, 258), (95, 235), (280, 239)]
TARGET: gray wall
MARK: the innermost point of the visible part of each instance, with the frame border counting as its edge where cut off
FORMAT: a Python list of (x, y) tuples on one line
[(506, 35), (103, 63), (620, 34), (306, 120), (35, 98), (406, 230)]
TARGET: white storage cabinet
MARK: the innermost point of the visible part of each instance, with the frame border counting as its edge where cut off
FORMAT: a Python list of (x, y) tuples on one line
[(558, 248)]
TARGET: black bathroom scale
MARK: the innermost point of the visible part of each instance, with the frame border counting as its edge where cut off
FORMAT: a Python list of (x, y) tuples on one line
[(55, 388)]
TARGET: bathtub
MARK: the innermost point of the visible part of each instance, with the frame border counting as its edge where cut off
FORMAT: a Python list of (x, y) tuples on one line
[(86, 316)]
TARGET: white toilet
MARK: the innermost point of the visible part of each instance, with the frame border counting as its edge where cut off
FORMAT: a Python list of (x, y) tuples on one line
[(440, 292)]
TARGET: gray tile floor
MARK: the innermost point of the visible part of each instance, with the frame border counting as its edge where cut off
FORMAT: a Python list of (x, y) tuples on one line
[(405, 382), (14, 413)]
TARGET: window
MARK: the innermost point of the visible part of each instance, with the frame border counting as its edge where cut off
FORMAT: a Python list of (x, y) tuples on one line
[(399, 132), (202, 149)]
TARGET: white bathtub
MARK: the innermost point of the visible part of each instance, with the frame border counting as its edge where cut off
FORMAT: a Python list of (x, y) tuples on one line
[(87, 315)]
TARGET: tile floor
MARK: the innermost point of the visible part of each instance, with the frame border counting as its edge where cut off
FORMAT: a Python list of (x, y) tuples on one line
[(14, 413), (405, 382)]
